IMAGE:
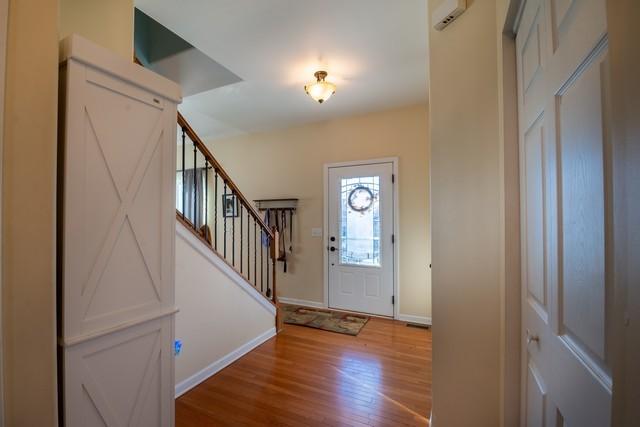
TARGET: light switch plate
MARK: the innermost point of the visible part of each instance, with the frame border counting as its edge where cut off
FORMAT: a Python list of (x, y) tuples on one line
[(316, 232)]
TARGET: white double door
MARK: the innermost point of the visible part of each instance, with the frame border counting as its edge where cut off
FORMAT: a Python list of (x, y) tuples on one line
[(566, 216), (360, 232), (117, 234)]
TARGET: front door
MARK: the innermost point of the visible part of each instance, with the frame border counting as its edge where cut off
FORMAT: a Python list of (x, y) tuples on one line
[(360, 220), (566, 218)]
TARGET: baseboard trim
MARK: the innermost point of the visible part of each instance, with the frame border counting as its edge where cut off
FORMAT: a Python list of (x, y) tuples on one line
[(223, 362), (306, 303), (421, 320)]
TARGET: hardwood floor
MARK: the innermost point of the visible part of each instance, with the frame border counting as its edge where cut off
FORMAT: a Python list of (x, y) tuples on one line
[(308, 377)]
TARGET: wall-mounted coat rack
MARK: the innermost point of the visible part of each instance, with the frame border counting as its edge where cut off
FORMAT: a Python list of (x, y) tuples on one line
[(279, 212), (276, 204)]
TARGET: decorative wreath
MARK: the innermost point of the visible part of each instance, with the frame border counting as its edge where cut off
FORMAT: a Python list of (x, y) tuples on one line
[(360, 198)]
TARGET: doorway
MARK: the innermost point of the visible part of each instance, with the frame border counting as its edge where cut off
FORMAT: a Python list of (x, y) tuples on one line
[(562, 57), (361, 253)]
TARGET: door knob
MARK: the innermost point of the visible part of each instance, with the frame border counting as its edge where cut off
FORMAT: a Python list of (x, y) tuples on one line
[(532, 338)]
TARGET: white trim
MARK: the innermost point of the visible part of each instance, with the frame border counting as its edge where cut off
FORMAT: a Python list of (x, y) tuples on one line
[(70, 342), (76, 47), (396, 227), (218, 263), (514, 15), (223, 362), (421, 320), (302, 302)]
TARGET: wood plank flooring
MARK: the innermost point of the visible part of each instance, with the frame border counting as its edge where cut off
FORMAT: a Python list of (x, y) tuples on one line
[(308, 377)]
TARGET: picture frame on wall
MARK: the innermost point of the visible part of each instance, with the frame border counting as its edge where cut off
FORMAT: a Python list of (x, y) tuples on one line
[(229, 205)]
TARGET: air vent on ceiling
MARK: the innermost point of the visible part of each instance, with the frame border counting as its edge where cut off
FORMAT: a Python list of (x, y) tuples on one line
[(447, 12)]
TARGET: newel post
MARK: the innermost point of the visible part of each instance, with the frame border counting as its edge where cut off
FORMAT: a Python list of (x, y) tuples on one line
[(275, 251)]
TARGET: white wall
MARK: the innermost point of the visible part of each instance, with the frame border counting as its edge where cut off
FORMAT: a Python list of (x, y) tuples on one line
[(218, 320)]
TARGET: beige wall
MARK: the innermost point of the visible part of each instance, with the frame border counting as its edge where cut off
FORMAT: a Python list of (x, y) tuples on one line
[(467, 197), (4, 11), (108, 23), (29, 191), (624, 33), (216, 316), (289, 163), (464, 388), (510, 325), (28, 216)]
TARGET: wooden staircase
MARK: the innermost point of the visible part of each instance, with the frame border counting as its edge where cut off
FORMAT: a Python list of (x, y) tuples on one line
[(212, 207)]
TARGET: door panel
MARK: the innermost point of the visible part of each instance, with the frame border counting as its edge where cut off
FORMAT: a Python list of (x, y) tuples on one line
[(105, 392), (360, 219), (536, 398), (564, 207), (534, 181), (117, 235), (580, 132)]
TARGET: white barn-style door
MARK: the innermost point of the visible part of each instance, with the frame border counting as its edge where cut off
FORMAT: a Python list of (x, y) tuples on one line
[(566, 215), (117, 231)]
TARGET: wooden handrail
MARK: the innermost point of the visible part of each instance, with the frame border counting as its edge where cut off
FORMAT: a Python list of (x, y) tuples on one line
[(182, 122), (272, 233)]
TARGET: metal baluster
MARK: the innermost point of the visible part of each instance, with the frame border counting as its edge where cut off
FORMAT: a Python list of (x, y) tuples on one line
[(224, 214), (268, 255), (184, 144), (215, 211), (261, 263), (255, 254), (271, 292), (233, 229), (206, 194), (195, 189), (241, 233)]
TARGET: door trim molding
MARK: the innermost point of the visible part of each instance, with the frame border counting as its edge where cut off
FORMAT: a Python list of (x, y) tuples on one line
[(396, 229)]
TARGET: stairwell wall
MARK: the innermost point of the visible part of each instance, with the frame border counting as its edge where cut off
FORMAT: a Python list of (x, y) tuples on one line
[(219, 319)]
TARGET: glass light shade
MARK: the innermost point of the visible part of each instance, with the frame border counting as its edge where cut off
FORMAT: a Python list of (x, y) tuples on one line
[(320, 90)]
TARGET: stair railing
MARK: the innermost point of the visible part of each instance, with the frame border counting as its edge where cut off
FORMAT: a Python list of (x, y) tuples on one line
[(212, 206)]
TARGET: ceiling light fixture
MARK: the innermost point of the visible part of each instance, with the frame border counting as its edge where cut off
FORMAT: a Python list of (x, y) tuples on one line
[(320, 90)]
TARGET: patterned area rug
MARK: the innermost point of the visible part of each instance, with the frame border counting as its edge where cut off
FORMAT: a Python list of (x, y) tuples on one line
[(327, 320)]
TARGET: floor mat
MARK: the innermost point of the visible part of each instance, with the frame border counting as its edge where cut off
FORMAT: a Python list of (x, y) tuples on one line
[(327, 320)]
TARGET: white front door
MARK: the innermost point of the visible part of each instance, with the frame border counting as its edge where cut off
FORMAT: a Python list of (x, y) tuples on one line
[(566, 215), (360, 220)]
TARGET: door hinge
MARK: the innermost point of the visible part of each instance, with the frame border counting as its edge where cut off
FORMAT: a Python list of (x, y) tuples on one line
[(393, 178), (393, 238), (393, 300)]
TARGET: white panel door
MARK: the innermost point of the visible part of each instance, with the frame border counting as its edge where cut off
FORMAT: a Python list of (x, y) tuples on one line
[(118, 229), (361, 258), (566, 216)]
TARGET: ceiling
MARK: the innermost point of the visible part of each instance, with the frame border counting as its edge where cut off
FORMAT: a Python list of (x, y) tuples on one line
[(374, 50)]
